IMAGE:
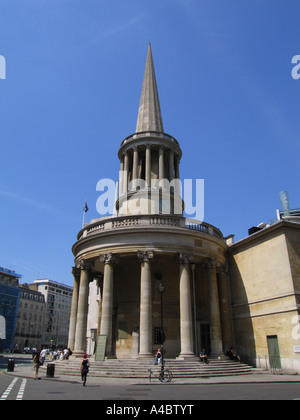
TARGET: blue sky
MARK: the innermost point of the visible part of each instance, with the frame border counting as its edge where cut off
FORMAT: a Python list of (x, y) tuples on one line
[(74, 71)]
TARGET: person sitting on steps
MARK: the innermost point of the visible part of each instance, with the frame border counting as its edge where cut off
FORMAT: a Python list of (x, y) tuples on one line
[(203, 357)]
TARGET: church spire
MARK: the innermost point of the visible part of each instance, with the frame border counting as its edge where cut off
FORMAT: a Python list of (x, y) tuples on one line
[(149, 117)]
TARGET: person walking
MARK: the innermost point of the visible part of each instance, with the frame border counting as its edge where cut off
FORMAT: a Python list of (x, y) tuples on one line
[(43, 356), (36, 365), (84, 367)]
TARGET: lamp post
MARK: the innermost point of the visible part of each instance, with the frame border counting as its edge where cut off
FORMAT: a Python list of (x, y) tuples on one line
[(161, 289)]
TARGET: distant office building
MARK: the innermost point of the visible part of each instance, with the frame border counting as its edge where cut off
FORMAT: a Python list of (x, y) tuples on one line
[(9, 277), (58, 298), (31, 317), (9, 304)]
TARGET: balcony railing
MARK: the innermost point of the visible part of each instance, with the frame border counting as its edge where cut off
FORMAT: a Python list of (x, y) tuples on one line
[(157, 221), (143, 134)]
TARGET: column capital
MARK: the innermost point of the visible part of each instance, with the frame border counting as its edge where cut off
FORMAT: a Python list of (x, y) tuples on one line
[(183, 257), (84, 265), (76, 273), (110, 259), (222, 269), (212, 264), (145, 256)]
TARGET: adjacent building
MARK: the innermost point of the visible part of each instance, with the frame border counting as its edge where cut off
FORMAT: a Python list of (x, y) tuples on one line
[(33, 315), (9, 305), (9, 277), (264, 272), (58, 299), (31, 319)]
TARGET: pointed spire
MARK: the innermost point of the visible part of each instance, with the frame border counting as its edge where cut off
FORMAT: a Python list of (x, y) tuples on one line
[(149, 117)]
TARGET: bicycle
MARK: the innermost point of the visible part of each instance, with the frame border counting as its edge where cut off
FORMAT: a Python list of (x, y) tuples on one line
[(163, 375)]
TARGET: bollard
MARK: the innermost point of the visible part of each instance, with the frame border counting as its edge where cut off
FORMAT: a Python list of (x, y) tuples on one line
[(11, 365), (50, 370)]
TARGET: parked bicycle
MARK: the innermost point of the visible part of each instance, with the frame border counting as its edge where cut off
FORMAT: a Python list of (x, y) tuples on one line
[(164, 375)]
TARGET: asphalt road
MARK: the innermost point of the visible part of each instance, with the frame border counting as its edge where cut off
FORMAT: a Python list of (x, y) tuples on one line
[(111, 392)]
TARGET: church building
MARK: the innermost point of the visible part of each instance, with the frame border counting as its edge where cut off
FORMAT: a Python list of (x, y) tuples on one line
[(216, 294)]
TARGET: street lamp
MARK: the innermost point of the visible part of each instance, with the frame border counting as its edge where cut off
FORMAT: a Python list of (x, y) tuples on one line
[(161, 289)]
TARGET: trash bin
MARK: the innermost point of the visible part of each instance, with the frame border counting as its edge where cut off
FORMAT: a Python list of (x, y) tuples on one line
[(11, 365), (50, 370)]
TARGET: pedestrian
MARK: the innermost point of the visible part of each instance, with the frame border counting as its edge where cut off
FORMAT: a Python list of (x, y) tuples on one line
[(69, 353), (43, 355), (84, 367), (36, 365)]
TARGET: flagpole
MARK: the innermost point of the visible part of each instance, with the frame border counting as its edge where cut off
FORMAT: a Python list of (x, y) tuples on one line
[(83, 219), (85, 209)]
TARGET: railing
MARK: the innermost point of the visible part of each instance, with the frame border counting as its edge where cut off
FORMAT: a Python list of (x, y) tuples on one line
[(115, 223), (272, 364), (143, 134)]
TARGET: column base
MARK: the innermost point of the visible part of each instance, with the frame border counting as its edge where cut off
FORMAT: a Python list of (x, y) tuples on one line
[(218, 356), (110, 356), (77, 355), (145, 356), (187, 356)]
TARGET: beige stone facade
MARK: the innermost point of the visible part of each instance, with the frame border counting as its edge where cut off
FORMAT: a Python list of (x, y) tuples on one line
[(217, 295), (265, 293)]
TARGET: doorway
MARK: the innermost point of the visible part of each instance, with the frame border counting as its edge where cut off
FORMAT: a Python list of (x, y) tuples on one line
[(205, 338), (274, 353)]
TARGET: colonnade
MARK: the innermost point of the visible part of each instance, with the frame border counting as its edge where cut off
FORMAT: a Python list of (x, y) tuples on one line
[(140, 160), (79, 310)]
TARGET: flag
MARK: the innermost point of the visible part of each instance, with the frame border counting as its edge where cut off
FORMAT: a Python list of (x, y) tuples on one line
[(85, 209)]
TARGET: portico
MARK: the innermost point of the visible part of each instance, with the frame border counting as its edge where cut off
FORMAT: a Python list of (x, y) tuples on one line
[(131, 272)]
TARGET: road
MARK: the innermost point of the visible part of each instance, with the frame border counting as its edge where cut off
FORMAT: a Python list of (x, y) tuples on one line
[(13, 388), (114, 390)]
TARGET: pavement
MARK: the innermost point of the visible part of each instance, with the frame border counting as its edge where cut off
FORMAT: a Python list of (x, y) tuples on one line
[(24, 369)]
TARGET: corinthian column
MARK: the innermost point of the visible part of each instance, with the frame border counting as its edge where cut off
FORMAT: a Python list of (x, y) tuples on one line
[(215, 320), (225, 309), (145, 304), (186, 320), (82, 312), (107, 299), (74, 308)]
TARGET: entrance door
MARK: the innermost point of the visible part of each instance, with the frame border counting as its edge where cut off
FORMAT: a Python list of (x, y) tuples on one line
[(205, 337), (274, 354)]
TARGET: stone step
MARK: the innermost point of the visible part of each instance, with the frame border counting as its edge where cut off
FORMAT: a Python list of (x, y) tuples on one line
[(140, 368)]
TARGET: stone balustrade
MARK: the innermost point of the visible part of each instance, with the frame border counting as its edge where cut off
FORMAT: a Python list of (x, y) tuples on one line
[(98, 226)]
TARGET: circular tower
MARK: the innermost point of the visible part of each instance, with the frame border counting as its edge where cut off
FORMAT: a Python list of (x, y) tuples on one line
[(120, 261)]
